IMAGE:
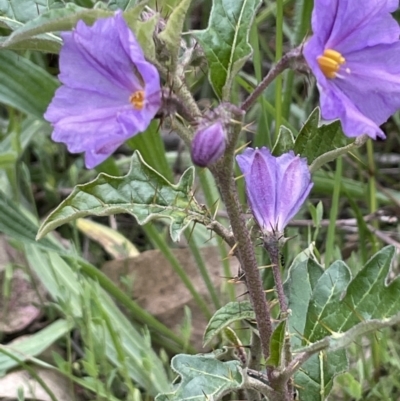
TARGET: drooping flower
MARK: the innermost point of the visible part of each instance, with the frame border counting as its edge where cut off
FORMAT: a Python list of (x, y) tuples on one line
[(354, 54), (276, 187), (109, 91), (208, 144)]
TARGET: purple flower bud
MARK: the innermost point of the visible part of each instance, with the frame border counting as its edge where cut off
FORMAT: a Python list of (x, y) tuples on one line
[(276, 186), (109, 93), (208, 144)]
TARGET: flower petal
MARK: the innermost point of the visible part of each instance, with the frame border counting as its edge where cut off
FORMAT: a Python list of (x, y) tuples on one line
[(102, 66), (347, 26), (368, 94), (293, 186), (276, 187), (259, 169), (336, 105)]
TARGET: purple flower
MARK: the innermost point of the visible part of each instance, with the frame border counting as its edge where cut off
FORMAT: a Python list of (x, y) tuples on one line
[(208, 144), (354, 54), (276, 186), (109, 93)]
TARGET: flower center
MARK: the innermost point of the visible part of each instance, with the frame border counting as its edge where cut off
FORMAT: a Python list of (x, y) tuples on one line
[(330, 62), (137, 99)]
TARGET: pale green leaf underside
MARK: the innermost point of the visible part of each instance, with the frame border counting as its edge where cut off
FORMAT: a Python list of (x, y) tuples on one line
[(39, 32), (231, 312), (143, 193), (203, 378)]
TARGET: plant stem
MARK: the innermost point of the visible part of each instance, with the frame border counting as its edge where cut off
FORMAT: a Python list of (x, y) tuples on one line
[(278, 56), (271, 244), (333, 215), (226, 183), (281, 66)]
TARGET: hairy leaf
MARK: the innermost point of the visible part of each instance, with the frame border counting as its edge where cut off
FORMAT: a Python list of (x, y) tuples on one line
[(303, 275), (284, 142), (121, 4), (231, 312), (62, 19), (143, 193), (171, 35), (331, 310), (203, 378), (26, 10), (225, 41), (314, 139), (276, 345), (315, 378)]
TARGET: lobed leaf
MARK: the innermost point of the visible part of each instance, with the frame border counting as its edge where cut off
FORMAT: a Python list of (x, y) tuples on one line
[(225, 41), (143, 193), (203, 378)]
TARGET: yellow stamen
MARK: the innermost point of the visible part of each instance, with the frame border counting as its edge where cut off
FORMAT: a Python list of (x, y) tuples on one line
[(330, 62), (137, 99)]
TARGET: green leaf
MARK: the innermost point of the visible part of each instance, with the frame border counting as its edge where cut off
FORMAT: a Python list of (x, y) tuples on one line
[(26, 10), (333, 310), (143, 193), (171, 35), (225, 41), (76, 293), (276, 345), (350, 385), (302, 277), (63, 19), (314, 139), (24, 85), (33, 345), (144, 31), (121, 4), (222, 318), (315, 378), (324, 306), (203, 378), (284, 142), (337, 304), (41, 43), (18, 224)]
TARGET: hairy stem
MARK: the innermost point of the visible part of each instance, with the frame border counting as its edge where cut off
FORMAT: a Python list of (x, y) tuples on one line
[(284, 63), (222, 171), (271, 244)]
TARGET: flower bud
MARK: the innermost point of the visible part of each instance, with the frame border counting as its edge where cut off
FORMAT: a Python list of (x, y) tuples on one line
[(208, 144), (276, 187)]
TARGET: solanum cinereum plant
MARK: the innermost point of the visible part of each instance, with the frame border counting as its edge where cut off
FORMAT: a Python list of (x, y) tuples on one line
[(111, 89)]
